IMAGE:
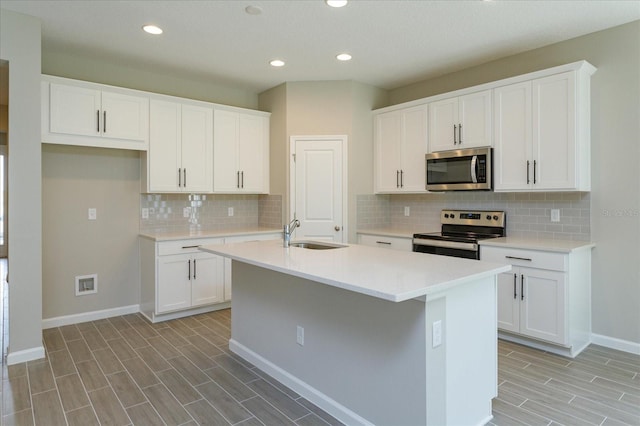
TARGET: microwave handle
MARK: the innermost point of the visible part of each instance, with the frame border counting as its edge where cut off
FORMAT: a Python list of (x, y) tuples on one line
[(474, 166)]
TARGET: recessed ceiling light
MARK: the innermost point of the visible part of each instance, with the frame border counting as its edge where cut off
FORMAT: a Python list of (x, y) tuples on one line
[(253, 10), (336, 3), (277, 63), (152, 29), (343, 57)]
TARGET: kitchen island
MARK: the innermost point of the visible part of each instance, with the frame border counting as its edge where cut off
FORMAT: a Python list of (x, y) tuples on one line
[(371, 336)]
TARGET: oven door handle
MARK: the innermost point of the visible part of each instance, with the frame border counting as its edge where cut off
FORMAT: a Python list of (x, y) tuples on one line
[(474, 166), (446, 244)]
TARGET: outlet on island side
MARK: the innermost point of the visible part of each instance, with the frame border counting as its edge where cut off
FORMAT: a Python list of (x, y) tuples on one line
[(407, 210), (555, 215), (300, 336), (230, 211), (436, 333)]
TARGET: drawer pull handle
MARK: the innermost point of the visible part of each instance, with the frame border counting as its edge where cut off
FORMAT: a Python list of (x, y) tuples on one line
[(518, 258), (190, 247), (383, 242)]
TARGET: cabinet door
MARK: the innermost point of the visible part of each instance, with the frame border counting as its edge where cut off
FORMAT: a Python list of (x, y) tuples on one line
[(542, 304), (443, 115), (388, 135), (414, 148), (174, 287), (164, 146), (225, 151), (474, 120), (554, 139), (124, 116), (74, 110), (207, 282), (513, 137), (509, 302), (197, 148), (253, 133)]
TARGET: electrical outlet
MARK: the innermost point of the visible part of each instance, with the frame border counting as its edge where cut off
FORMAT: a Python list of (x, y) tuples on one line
[(145, 213), (437, 333), (186, 212), (555, 215), (230, 211), (300, 336), (407, 211), (93, 214)]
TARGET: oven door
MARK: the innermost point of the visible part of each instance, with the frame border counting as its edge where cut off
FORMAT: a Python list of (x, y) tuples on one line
[(459, 170), (447, 248)]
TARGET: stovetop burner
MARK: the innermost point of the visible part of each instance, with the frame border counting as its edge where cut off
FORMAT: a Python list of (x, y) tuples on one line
[(460, 233)]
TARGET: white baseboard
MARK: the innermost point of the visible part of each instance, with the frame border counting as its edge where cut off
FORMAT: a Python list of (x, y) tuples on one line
[(89, 316), (313, 395), (613, 343), (25, 355)]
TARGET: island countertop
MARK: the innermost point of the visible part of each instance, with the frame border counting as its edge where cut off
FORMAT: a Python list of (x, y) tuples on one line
[(385, 274)]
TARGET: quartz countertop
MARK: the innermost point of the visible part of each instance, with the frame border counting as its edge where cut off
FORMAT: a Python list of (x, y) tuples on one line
[(385, 274), (217, 233), (561, 246)]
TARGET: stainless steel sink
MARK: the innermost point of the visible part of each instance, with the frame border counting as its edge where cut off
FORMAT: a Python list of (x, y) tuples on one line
[(315, 245)]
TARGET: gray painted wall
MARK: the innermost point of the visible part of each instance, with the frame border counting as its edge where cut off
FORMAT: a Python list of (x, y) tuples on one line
[(615, 139), (73, 180), (20, 45)]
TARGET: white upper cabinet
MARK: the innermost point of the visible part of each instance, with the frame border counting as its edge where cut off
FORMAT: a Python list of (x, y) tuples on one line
[(542, 138), (241, 152), (460, 122), (180, 157), (80, 113), (400, 139)]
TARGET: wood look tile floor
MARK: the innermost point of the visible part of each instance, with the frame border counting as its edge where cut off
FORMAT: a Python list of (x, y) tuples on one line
[(126, 371)]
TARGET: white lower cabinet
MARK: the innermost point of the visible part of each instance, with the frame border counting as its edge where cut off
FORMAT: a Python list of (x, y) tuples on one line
[(177, 277), (531, 302), (545, 298), (189, 280), (394, 243)]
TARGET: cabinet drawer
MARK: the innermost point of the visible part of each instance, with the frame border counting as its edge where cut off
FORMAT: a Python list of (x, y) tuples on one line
[(395, 243), (528, 258), (185, 246)]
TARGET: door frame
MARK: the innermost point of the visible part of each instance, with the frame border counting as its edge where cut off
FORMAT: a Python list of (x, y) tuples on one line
[(292, 182)]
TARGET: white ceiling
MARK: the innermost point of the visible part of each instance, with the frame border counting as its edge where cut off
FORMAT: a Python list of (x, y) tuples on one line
[(393, 43)]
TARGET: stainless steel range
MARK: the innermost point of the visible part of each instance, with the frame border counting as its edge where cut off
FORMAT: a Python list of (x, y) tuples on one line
[(461, 231)]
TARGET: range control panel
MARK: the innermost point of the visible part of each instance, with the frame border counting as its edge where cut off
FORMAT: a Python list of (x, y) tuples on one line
[(473, 217)]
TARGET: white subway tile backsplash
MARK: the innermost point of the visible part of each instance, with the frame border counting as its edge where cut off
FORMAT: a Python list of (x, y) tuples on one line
[(210, 212), (528, 214)]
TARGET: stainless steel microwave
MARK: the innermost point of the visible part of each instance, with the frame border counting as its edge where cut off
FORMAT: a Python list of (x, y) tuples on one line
[(460, 170)]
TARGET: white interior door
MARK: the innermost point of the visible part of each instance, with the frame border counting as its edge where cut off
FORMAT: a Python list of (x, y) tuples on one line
[(318, 176)]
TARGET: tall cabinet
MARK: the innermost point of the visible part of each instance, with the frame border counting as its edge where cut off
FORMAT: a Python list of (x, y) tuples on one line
[(241, 152), (542, 133), (400, 144), (180, 157)]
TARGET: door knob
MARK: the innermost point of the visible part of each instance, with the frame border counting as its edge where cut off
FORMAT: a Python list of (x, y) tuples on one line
[(337, 228)]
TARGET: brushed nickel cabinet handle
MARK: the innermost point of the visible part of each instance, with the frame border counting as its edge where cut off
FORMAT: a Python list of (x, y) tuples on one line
[(454, 134)]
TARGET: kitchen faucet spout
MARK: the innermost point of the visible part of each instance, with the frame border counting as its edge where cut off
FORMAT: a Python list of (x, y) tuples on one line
[(288, 230)]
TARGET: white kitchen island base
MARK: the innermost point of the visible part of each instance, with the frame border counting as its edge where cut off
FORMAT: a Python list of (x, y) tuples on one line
[(366, 360)]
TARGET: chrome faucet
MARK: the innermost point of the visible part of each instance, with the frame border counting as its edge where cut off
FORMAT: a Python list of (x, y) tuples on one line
[(288, 230)]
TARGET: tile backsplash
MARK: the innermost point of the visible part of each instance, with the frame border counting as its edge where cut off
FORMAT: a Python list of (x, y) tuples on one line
[(528, 214), (210, 212)]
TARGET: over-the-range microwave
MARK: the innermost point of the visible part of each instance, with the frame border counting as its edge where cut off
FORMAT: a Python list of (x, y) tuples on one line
[(460, 170)]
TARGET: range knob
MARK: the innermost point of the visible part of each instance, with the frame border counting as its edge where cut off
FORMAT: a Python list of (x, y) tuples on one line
[(488, 217), (446, 215), (453, 216), (495, 217)]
